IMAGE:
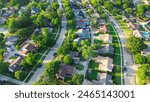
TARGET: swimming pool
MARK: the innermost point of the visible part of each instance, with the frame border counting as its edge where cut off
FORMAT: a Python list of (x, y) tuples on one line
[(145, 34)]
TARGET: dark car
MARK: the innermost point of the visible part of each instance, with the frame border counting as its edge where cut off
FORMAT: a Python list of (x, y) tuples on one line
[(16, 54), (125, 68)]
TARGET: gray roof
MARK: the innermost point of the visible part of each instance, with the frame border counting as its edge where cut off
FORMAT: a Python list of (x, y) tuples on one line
[(106, 48)]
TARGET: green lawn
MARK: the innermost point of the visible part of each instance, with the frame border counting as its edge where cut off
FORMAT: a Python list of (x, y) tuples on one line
[(93, 65), (79, 66), (116, 74), (96, 34), (29, 77), (3, 26), (92, 76)]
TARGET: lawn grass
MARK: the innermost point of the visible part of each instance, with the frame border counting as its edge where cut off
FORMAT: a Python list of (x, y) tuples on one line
[(29, 77), (116, 74), (3, 25), (96, 34), (93, 75), (93, 65), (96, 41), (79, 67)]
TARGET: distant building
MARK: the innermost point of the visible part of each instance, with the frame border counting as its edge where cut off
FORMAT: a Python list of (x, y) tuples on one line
[(105, 63), (107, 38), (65, 71), (75, 56)]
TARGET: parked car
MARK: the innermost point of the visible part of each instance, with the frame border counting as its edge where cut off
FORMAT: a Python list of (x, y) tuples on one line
[(16, 54), (125, 62), (125, 68)]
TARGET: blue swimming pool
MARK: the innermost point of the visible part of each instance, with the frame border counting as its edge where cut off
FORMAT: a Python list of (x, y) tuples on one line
[(145, 34)]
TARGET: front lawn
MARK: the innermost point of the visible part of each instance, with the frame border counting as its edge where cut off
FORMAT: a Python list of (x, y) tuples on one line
[(79, 66), (93, 65), (93, 75)]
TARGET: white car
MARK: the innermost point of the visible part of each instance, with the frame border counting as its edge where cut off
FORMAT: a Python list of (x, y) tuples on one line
[(125, 62)]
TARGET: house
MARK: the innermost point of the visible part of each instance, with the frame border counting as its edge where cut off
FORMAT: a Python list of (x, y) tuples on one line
[(15, 66), (133, 26), (147, 14), (103, 28), (78, 40), (35, 10), (100, 21), (84, 33), (106, 38), (105, 63), (106, 49), (65, 71), (103, 79), (29, 47), (11, 39), (137, 33), (74, 55), (146, 51)]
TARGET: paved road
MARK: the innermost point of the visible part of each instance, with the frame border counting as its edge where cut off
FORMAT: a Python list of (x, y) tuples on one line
[(50, 56), (2, 77), (131, 68)]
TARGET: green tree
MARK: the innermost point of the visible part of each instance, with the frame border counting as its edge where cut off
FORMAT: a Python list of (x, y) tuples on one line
[(143, 74), (139, 59), (3, 67), (67, 59), (135, 45), (148, 58), (20, 75), (13, 25), (77, 79)]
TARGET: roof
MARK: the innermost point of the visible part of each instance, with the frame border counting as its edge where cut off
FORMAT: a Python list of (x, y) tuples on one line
[(103, 28), (133, 26), (106, 48), (14, 66), (146, 51), (29, 47), (100, 21), (103, 79), (65, 71), (137, 33), (106, 37), (23, 52), (74, 53), (105, 63)]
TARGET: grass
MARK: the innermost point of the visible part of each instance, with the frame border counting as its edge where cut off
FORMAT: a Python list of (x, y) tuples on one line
[(29, 77), (96, 41), (92, 76), (96, 34), (93, 65), (3, 25), (79, 67), (116, 74), (142, 28)]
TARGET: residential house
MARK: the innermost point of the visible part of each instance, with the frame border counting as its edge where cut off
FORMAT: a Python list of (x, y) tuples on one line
[(35, 10), (133, 26), (105, 63), (103, 28), (146, 51), (15, 66), (137, 33), (65, 71), (84, 33), (106, 49), (78, 40), (100, 21), (103, 79), (27, 48), (74, 55), (107, 38)]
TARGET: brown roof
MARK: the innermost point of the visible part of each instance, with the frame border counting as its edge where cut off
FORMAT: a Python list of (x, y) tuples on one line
[(103, 28), (15, 65), (65, 71), (29, 47), (105, 37), (105, 63)]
